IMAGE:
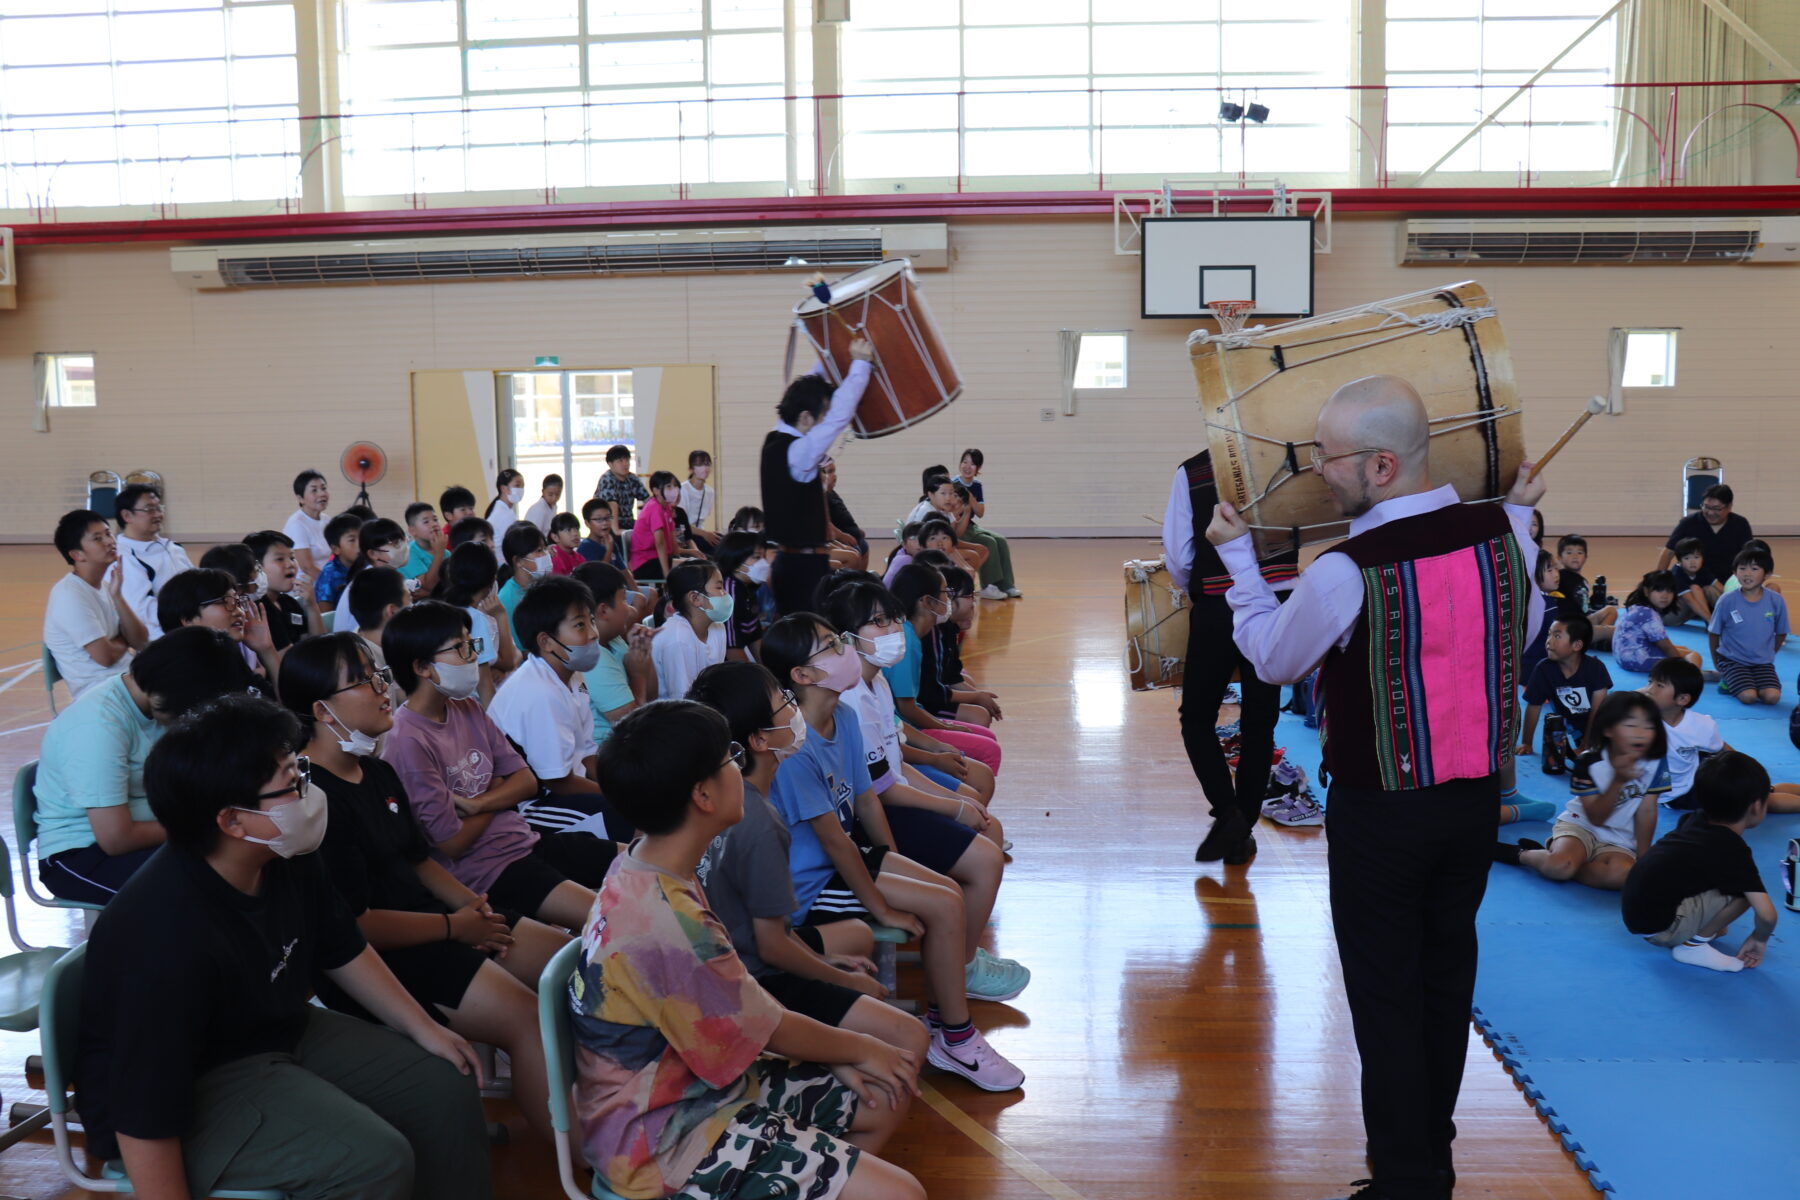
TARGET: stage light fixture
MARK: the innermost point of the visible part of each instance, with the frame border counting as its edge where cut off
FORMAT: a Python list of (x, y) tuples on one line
[(1231, 112), (1257, 113)]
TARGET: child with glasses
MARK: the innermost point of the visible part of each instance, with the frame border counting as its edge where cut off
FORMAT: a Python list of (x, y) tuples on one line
[(464, 961), (465, 780), (211, 598), (918, 694)]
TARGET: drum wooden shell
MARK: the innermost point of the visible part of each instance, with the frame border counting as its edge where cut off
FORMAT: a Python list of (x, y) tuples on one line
[(914, 375), (1156, 626), (1261, 401)]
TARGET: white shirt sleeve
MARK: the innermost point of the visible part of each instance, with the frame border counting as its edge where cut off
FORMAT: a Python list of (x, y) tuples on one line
[(139, 593), (807, 451), (1178, 530), (1285, 641)]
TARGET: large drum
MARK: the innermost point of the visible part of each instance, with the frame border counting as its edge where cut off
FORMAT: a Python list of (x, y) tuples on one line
[(1261, 390), (914, 373), (1156, 626)]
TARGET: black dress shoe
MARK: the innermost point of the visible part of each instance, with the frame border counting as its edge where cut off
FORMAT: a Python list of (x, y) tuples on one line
[(1226, 832), (1242, 853)]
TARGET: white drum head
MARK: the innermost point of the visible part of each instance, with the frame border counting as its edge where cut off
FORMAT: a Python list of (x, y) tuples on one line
[(854, 286)]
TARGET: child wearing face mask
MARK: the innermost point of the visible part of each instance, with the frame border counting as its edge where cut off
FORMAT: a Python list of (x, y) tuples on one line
[(841, 853), (465, 780), (443, 941), (525, 558), (469, 577), (746, 573), (820, 971), (380, 543), (544, 708), (918, 693), (693, 638), (509, 489), (653, 544), (698, 501)]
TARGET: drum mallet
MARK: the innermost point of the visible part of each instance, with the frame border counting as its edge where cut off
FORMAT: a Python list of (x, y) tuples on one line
[(1595, 404)]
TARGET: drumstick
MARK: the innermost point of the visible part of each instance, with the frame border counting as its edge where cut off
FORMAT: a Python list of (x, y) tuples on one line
[(1595, 404)]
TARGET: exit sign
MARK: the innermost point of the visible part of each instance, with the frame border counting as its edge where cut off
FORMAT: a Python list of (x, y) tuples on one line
[(547, 360)]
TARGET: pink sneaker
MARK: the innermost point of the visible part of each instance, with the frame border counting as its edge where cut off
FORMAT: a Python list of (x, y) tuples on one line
[(975, 1061)]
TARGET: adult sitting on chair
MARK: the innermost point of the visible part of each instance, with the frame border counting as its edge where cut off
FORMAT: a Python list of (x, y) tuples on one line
[(200, 1063), (1721, 531), (88, 627), (94, 824)]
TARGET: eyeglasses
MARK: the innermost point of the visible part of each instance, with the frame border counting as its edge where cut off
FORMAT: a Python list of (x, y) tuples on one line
[(149, 510), (837, 643), (467, 650), (1319, 460), (243, 603), (301, 785), (959, 595), (787, 702), (735, 755), (378, 681)]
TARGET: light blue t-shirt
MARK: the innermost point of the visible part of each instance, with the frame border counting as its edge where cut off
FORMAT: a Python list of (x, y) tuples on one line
[(484, 627), (826, 775), (510, 595), (1747, 631), (92, 757), (418, 561), (608, 687), (903, 676)]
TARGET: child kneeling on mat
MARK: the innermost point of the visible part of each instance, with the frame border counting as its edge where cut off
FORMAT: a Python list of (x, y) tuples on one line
[(1747, 629), (1701, 877), (673, 1088), (1607, 825)]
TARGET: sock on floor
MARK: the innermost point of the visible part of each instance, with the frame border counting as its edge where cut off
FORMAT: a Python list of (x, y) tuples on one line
[(1700, 952), (956, 1035), (1531, 810)]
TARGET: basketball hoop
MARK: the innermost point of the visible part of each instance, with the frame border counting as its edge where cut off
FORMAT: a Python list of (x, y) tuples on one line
[(1230, 314)]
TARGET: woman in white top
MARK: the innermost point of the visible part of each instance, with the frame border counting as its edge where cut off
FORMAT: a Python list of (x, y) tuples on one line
[(306, 526), (503, 512), (698, 501), (693, 638)]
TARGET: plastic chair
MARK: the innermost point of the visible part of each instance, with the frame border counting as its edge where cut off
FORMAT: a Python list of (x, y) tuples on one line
[(52, 677), (22, 981), (1698, 474), (61, 1015), (25, 831), (557, 1028)]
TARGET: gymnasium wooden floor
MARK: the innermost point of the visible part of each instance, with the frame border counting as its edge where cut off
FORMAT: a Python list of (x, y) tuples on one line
[(1184, 1033)]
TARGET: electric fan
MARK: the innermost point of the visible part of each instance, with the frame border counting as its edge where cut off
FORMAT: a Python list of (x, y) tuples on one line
[(364, 464)]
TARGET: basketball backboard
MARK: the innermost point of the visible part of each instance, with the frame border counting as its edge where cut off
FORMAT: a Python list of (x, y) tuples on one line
[(1189, 261)]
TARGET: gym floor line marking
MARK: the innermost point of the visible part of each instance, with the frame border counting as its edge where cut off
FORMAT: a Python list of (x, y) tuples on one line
[(23, 728), (20, 677), (1016, 1162)]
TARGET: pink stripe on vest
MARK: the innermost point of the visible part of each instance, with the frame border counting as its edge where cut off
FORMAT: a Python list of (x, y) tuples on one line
[(1453, 664)]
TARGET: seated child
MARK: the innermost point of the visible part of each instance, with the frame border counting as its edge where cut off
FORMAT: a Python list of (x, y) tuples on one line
[(425, 554), (1675, 687), (1696, 588), (212, 598), (472, 529), (1607, 825), (1701, 877), (343, 532), (456, 503), (1571, 557), (840, 855), (543, 708), (524, 559), (971, 704), (1639, 639), (1574, 683), (601, 544), (94, 824), (464, 779), (693, 636), (470, 575), (906, 548), (201, 1064), (291, 611), (819, 971), (746, 572), (624, 678), (918, 694), (461, 960), (673, 1088), (1771, 582), (1748, 626), (565, 538), (371, 600), (89, 628)]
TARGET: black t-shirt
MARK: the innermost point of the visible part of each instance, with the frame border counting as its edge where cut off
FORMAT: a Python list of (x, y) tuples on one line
[(1570, 695), (840, 516), (949, 655), (372, 844), (1574, 589), (1722, 546), (287, 620), (1696, 856), (185, 973), (932, 696), (1684, 581)]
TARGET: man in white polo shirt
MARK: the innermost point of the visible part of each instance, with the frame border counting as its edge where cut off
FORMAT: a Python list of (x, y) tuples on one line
[(90, 630), (147, 559)]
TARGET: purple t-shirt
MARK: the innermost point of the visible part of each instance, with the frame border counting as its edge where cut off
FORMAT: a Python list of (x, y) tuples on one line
[(459, 757)]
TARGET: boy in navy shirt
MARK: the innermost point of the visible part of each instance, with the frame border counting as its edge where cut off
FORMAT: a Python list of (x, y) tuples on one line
[(1572, 681), (1696, 588)]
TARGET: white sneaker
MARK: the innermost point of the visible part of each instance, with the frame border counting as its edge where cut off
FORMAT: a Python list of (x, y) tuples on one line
[(991, 592), (975, 1061), (1015, 593)]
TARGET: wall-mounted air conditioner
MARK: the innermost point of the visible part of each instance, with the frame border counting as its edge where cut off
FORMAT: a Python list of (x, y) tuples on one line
[(833, 249), (1661, 240)]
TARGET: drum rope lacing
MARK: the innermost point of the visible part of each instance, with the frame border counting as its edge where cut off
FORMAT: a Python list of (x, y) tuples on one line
[(1177, 599), (912, 333), (1430, 322)]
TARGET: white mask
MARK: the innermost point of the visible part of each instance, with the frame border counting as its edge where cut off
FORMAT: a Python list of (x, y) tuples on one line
[(513, 494), (301, 823), (351, 741), (398, 559), (885, 650), (458, 681), (797, 723), (539, 566), (261, 587), (758, 571)]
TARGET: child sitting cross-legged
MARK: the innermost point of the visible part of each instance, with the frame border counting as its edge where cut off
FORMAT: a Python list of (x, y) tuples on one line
[(1748, 626), (1608, 824), (691, 1079), (1640, 640), (1695, 587), (1675, 687), (1701, 877), (1573, 682), (820, 971)]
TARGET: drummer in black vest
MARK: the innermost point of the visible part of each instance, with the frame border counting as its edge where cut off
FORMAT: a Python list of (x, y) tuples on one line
[(1212, 656), (812, 415)]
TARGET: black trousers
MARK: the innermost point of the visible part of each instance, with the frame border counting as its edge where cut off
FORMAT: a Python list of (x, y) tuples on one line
[(1211, 658), (795, 577), (1408, 871)]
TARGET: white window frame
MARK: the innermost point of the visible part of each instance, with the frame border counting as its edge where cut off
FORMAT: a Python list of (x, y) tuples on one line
[(54, 387), (1672, 334), (1075, 378)]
